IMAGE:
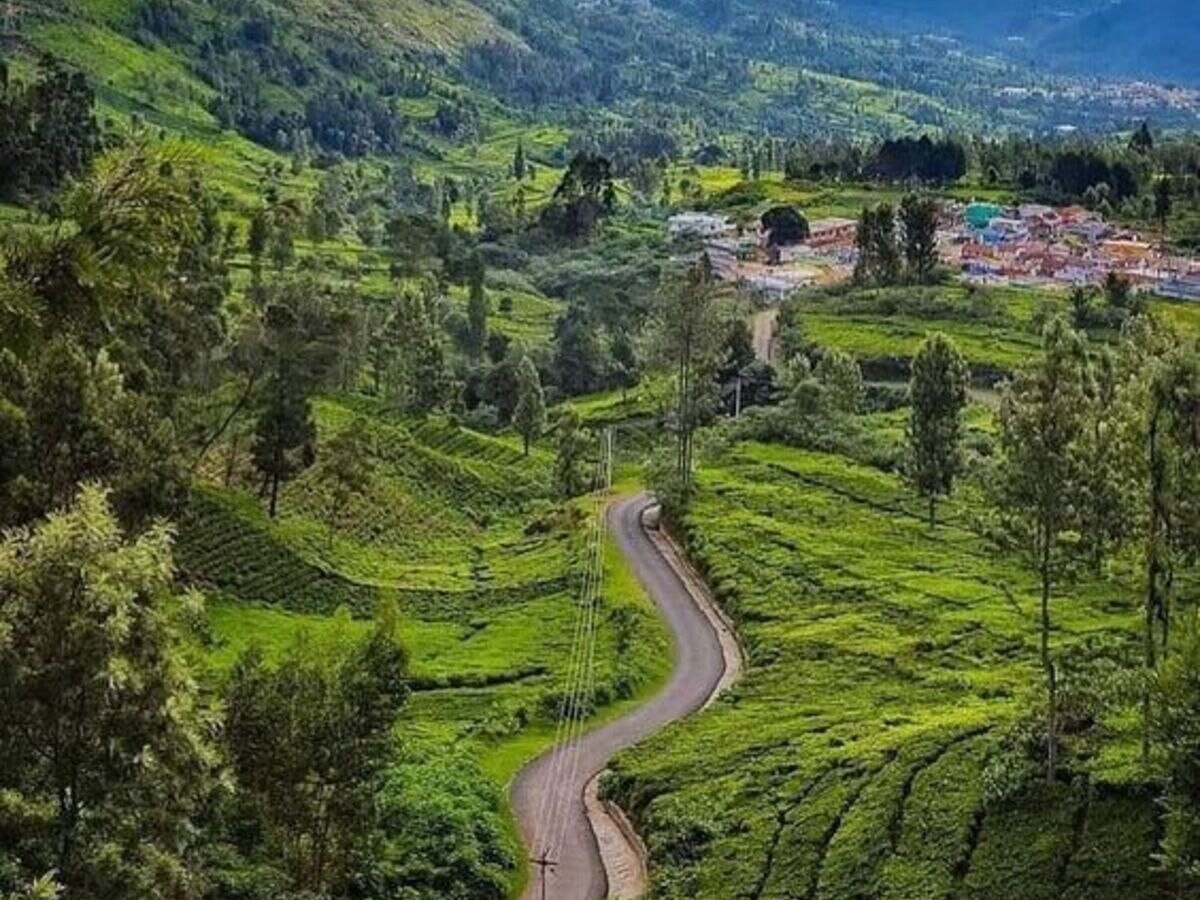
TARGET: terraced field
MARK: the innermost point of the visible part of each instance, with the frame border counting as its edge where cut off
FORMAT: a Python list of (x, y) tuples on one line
[(462, 531), (886, 664)]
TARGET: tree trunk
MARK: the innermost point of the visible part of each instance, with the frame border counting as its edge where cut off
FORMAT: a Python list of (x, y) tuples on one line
[(1048, 665), (1153, 574)]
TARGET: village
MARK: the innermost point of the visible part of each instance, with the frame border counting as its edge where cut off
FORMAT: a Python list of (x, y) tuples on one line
[(982, 242)]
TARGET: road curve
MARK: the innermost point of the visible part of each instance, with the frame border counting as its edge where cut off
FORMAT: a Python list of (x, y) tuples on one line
[(699, 668)]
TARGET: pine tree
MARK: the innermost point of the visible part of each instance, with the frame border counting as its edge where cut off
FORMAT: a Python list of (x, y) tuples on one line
[(519, 167), (938, 391)]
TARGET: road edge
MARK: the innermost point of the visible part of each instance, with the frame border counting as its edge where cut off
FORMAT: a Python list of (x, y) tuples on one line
[(623, 853)]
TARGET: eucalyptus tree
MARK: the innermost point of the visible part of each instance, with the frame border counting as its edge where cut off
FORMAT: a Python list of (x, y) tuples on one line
[(690, 334), (1042, 418)]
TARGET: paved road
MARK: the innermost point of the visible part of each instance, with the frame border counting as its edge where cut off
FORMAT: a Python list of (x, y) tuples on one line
[(699, 666)]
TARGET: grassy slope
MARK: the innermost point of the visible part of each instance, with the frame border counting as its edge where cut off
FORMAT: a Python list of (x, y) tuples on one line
[(486, 607), (883, 658)]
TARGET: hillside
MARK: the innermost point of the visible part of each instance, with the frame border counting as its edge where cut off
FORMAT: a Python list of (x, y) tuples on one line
[(421, 79), (1150, 39)]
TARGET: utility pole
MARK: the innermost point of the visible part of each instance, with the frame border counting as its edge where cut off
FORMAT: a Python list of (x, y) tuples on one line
[(543, 864)]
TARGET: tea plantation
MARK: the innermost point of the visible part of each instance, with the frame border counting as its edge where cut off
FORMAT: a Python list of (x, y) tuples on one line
[(463, 532), (863, 753)]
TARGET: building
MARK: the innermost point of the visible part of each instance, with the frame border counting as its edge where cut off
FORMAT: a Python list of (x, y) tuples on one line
[(832, 233), (980, 215), (700, 225), (1181, 287)]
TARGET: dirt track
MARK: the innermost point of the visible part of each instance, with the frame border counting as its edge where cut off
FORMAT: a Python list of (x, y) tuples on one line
[(700, 667)]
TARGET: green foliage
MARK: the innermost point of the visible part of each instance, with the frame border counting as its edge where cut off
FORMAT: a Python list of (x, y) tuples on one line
[(572, 445), (878, 251), (529, 416), (1176, 712), (104, 742), (886, 662), (938, 393), (1038, 480), (309, 739), (918, 225), (841, 377)]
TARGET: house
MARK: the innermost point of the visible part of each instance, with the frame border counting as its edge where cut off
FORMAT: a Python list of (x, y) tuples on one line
[(1180, 287), (701, 225), (832, 233), (980, 215)]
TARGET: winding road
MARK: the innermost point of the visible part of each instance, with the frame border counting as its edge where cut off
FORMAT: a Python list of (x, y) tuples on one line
[(702, 648)]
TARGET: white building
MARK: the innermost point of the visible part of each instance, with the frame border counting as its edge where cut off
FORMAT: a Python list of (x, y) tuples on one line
[(700, 225)]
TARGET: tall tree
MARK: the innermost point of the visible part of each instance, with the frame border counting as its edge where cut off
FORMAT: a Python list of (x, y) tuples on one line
[(1162, 205), (310, 737), (690, 333), (878, 253), (918, 224), (1176, 705), (104, 740), (938, 391), (1041, 419), (477, 309), (519, 167), (1160, 401), (572, 444), (529, 416), (841, 377), (345, 472)]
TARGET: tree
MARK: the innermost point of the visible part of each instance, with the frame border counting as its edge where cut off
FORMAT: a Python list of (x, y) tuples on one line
[(1142, 141), (285, 436), (938, 391), (586, 193), (1162, 204), (104, 754), (690, 331), (477, 309), (529, 417), (1041, 420), (878, 255), (572, 442), (1176, 705), (518, 167), (257, 241), (1159, 405), (345, 471), (309, 739), (841, 377), (786, 226), (919, 221)]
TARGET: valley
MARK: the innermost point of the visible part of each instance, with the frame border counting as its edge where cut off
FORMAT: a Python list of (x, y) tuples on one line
[(361, 361)]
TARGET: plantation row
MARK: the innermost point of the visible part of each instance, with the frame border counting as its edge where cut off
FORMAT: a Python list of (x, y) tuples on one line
[(874, 749)]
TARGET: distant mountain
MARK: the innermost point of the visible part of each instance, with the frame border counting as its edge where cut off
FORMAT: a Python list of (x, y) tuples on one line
[(1153, 39), (1157, 39)]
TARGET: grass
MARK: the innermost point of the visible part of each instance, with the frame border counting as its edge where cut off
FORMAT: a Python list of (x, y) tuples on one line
[(886, 660), (462, 532)]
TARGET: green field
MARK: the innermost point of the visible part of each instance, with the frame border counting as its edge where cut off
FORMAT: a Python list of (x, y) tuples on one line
[(886, 661), (463, 533)]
